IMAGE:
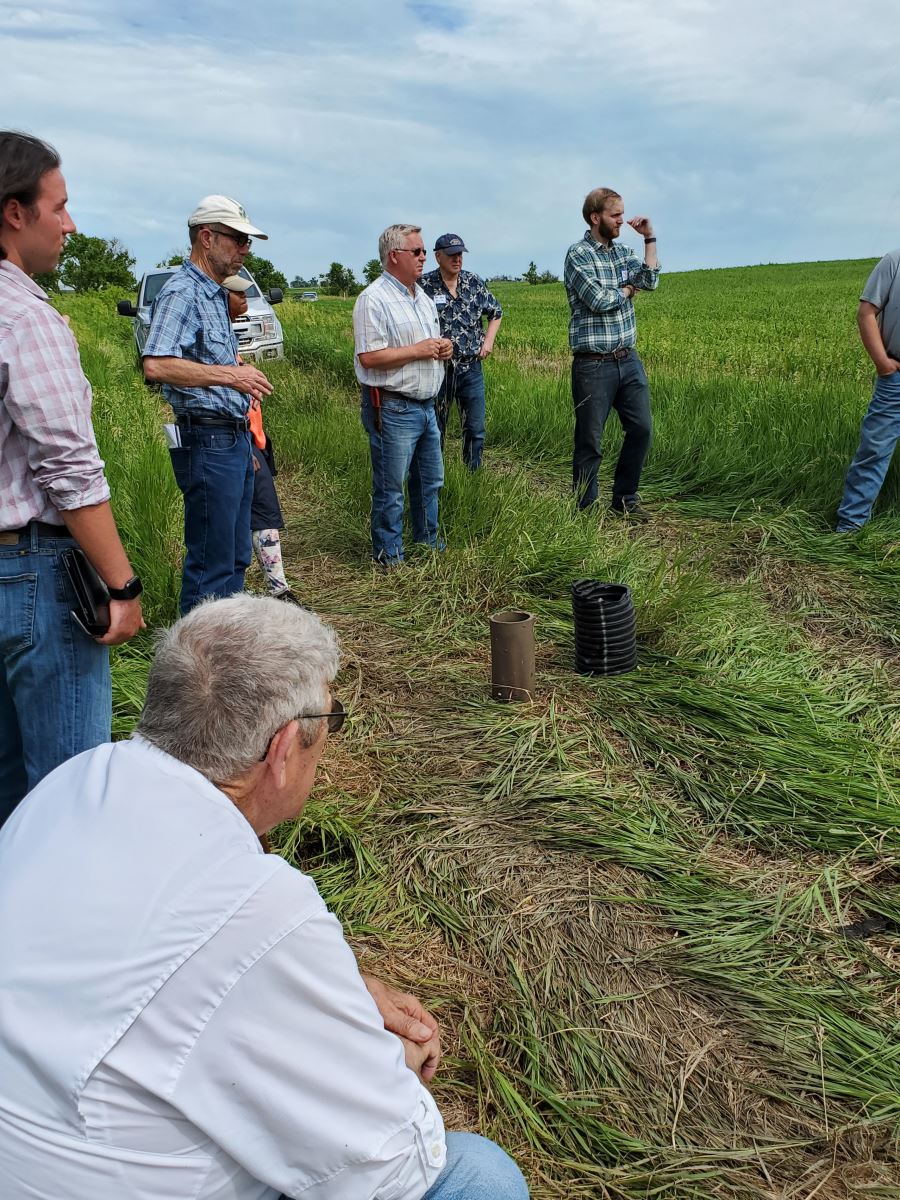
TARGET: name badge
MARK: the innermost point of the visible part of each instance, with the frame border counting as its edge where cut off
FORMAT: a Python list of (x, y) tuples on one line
[(440, 301), (623, 275)]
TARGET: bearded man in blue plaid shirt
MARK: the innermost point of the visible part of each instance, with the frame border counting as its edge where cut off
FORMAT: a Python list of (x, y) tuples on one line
[(601, 282)]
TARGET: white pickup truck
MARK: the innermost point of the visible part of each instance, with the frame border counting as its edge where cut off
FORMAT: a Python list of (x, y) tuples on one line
[(259, 331)]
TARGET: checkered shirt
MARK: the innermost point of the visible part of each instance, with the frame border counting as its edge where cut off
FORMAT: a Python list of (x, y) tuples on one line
[(602, 318), (386, 316), (189, 319), (49, 461)]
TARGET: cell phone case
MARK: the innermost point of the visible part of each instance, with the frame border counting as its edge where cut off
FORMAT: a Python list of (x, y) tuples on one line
[(92, 598)]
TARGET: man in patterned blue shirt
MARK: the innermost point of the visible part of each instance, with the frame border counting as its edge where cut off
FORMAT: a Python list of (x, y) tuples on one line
[(601, 282), (192, 351), (462, 300)]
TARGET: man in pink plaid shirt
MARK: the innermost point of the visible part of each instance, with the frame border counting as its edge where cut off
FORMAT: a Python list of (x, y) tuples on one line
[(55, 693)]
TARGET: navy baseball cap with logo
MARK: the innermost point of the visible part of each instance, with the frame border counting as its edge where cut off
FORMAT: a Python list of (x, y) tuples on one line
[(450, 243)]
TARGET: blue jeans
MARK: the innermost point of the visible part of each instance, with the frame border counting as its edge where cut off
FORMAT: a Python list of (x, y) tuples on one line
[(55, 691), (477, 1169), (598, 387), (214, 468), (406, 451), (466, 388), (877, 439)]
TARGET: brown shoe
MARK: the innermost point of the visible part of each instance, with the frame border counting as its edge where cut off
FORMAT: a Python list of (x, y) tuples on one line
[(631, 512)]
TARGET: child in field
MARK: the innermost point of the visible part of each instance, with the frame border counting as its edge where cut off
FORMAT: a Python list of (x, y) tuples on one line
[(266, 520)]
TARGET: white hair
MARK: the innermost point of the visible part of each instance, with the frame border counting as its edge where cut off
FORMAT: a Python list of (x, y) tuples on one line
[(229, 675), (393, 238)]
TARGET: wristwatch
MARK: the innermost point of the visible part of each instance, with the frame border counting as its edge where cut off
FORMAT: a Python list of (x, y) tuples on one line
[(128, 591)]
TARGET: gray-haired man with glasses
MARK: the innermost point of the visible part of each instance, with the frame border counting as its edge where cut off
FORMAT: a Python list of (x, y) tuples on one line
[(192, 351), (203, 1029), (400, 358)]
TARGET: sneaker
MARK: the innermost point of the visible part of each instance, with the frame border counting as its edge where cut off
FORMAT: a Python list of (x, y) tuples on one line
[(288, 597), (631, 512)]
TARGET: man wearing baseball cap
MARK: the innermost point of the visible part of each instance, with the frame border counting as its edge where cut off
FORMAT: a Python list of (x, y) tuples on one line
[(192, 351), (462, 300)]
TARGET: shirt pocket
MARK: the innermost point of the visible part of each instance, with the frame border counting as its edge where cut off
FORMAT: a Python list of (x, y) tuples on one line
[(218, 348)]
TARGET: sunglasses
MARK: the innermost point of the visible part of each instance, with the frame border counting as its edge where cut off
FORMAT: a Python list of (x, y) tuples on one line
[(418, 251), (335, 718), (240, 239)]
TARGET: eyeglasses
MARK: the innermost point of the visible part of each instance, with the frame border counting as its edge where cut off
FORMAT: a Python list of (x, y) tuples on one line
[(418, 251), (336, 716), (240, 239)]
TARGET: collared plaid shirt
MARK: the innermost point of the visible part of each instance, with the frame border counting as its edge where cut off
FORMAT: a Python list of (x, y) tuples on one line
[(602, 318), (385, 315), (460, 315), (49, 461), (190, 320)]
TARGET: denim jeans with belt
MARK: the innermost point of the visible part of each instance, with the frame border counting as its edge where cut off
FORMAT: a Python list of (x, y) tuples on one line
[(877, 439), (465, 388), (598, 387), (55, 691), (407, 450), (214, 468)]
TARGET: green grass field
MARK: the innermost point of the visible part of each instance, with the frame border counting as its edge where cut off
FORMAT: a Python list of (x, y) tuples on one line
[(623, 900)]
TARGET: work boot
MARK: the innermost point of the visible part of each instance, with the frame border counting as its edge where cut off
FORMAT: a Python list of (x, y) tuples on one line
[(631, 511)]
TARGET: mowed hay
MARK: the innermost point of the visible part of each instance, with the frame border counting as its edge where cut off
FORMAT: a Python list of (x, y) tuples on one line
[(623, 901)]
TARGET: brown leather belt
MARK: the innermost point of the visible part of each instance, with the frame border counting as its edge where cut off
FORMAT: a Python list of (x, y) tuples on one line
[(9, 537), (613, 356)]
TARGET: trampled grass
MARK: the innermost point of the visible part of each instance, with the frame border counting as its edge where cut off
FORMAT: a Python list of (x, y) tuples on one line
[(625, 899)]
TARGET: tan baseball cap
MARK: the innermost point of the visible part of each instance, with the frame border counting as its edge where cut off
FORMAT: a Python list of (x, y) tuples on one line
[(236, 283), (222, 210)]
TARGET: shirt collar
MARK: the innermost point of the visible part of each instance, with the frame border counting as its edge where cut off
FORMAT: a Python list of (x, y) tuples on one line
[(401, 287), (208, 284), (589, 237), (18, 277)]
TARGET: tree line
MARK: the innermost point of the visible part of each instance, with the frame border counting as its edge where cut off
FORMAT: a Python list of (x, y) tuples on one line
[(89, 264)]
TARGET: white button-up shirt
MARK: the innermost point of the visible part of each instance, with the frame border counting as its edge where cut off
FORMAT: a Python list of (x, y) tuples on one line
[(386, 316), (179, 1013)]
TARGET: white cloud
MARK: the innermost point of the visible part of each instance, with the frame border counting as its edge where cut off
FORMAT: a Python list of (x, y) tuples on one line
[(742, 128)]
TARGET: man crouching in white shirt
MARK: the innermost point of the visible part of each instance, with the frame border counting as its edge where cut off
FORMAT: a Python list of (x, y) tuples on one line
[(180, 1014)]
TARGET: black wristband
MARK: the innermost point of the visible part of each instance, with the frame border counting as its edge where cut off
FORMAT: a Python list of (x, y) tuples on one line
[(129, 591), (648, 240)]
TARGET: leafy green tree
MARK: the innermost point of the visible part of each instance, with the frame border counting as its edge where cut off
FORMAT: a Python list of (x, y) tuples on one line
[(340, 280), (88, 264), (265, 273), (372, 270), (547, 277), (531, 275), (174, 258)]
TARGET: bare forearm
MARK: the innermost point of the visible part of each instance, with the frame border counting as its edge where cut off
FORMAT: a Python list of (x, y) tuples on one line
[(651, 258), (94, 529), (870, 335), (391, 356), (491, 332), (182, 372)]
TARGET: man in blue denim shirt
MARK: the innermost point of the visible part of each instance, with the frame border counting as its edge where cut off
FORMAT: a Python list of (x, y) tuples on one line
[(192, 351), (462, 300)]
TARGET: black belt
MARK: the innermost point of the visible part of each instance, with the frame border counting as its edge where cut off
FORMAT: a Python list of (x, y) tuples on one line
[(43, 529), (186, 420), (613, 356), (403, 396)]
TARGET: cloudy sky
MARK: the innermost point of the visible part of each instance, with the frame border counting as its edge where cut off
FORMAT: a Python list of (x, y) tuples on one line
[(749, 130)]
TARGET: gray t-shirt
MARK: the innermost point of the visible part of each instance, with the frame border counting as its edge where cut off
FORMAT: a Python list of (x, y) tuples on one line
[(881, 292)]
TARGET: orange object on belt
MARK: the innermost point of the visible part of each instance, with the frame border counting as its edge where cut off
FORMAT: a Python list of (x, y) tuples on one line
[(254, 418)]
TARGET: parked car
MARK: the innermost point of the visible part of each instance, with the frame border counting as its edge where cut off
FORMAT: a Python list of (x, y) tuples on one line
[(259, 331), (309, 296)]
